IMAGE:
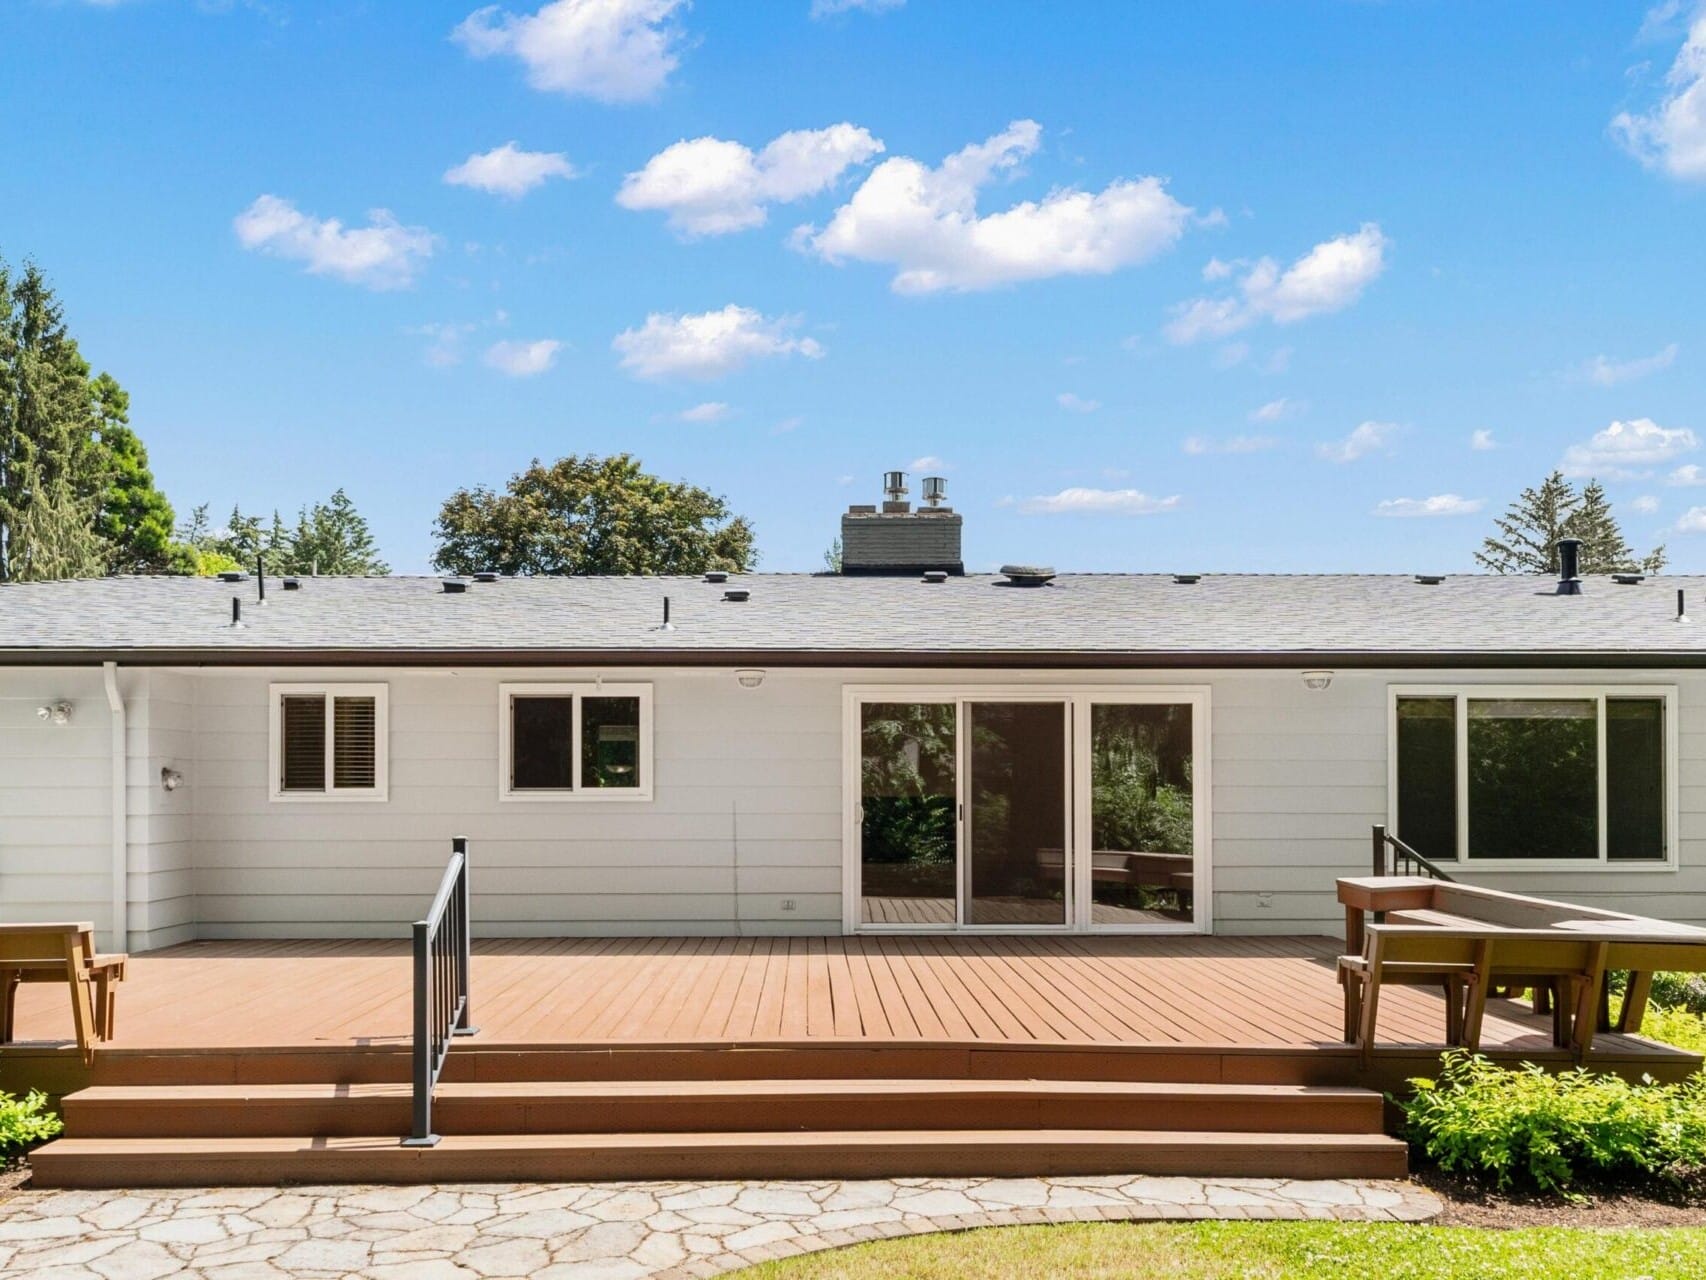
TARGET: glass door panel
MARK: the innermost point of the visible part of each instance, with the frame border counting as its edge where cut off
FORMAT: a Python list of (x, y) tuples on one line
[(1016, 813), (1142, 814), (907, 830)]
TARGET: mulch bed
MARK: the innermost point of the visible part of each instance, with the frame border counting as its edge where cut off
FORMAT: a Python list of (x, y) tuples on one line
[(1472, 1202)]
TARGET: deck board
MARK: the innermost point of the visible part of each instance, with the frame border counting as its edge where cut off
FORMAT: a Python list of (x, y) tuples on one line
[(1188, 992)]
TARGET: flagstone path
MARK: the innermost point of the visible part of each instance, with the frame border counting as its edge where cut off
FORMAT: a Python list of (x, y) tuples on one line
[(595, 1231)]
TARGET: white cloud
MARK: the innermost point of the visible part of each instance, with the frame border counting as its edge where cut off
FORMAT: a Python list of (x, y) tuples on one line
[(925, 223), (382, 255), (1120, 502), (1330, 277), (1217, 269), (609, 50), (509, 171), (1277, 410), (709, 344), (522, 359), (709, 186), (929, 462), (445, 346), (710, 411), (830, 8), (1606, 372), (1693, 521), (1671, 136), (1646, 504), (1687, 476), (1619, 451), (1482, 440), (1199, 446), (1076, 403), (1443, 504), (1367, 438)]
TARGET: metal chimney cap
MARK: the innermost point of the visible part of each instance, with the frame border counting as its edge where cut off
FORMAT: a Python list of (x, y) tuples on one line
[(1027, 575), (894, 484)]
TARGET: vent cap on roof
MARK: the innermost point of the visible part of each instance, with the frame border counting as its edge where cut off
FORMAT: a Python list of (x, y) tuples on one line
[(935, 575), (454, 586), (1027, 575), (1430, 579), (1628, 579), (736, 595), (716, 575), (292, 584), (233, 575), (1569, 566), (488, 575), (1187, 579)]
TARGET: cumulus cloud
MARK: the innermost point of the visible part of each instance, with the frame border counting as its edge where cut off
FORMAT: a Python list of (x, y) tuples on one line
[(710, 411), (385, 254), (1330, 277), (830, 8), (1119, 502), (1646, 504), (1687, 476), (709, 344), (1692, 521), (1671, 137), (929, 462), (523, 359), (1367, 438), (1605, 372), (444, 345), (1277, 410), (1199, 446), (1073, 403), (924, 222), (608, 50), (1482, 440), (709, 186), (509, 171), (1624, 449), (1442, 504)]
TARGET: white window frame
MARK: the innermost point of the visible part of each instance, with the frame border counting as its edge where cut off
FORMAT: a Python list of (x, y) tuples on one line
[(1596, 693), (1079, 698), (380, 790), (576, 690)]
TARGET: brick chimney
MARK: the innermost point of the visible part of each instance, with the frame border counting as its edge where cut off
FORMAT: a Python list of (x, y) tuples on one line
[(899, 540)]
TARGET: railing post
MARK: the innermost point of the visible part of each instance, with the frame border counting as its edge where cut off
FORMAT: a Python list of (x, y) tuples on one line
[(464, 929), (422, 1134), (1379, 849)]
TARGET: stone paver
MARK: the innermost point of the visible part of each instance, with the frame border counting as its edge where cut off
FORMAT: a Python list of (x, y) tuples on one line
[(598, 1231)]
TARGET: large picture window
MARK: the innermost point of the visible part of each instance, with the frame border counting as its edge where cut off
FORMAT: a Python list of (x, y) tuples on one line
[(574, 741), (1560, 775), (328, 742)]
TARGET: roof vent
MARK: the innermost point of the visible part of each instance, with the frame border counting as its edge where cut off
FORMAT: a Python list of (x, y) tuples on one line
[(233, 575), (716, 575), (1027, 575), (935, 575), (934, 491), (1187, 579), (487, 575), (292, 584), (454, 586), (1569, 566), (894, 486), (1430, 579), (736, 595), (1628, 579)]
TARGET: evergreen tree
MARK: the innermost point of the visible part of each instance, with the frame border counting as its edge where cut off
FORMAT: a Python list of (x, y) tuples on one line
[(1529, 532), (53, 535), (332, 537), (135, 519)]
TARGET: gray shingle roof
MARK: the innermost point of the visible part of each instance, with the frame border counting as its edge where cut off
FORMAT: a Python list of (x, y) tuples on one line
[(1097, 618)]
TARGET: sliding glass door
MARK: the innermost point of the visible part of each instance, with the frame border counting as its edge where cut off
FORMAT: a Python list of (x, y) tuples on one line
[(1029, 808)]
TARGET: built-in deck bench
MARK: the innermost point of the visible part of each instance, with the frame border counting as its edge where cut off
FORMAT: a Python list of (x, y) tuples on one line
[(61, 952)]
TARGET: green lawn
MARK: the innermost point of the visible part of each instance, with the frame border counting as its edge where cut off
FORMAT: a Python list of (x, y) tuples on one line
[(1259, 1251)]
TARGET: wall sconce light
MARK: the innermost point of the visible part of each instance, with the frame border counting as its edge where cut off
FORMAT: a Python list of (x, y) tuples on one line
[(1317, 679), (58, 713), (749, 677), (170, 778)]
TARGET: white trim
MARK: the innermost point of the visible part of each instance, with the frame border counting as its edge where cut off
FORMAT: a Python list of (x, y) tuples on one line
[(1598, 694), (508, 691), (120, 807), (1077, 699), (380, 790)]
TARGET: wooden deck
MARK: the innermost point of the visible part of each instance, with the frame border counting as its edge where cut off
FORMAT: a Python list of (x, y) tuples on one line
[(1158, 992)]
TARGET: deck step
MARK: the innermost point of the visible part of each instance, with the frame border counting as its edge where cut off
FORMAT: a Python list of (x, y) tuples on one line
[(164, 1162), (734, 1106)]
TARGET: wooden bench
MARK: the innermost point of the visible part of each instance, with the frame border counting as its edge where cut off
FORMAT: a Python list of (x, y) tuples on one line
[(61, 953)]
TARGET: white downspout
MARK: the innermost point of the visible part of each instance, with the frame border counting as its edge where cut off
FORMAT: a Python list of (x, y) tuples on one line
[(119, 806)]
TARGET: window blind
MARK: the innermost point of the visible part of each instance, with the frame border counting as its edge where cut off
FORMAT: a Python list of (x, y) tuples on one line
[(355, 743), (302, 749)]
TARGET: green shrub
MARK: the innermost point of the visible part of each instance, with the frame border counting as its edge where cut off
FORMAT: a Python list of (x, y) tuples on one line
[(25, 1122), (1530, 1128)]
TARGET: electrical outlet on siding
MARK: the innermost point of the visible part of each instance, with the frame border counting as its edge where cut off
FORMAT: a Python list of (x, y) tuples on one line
[(788, 904), (1264, 901)]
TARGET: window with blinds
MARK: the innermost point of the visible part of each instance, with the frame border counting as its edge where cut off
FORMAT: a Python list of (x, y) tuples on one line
[(329, 742)]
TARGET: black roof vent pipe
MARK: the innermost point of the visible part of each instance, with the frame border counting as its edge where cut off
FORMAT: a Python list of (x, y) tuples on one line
[(261, 578), (1569, 566)]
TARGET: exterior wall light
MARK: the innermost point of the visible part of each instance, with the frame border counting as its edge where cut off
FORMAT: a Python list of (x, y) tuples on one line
[(749, 677), (58, 713), (1317, 679), (170, 778)]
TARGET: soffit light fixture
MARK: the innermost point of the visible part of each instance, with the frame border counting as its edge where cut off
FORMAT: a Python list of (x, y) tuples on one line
[(1317, 679), (749, 677)]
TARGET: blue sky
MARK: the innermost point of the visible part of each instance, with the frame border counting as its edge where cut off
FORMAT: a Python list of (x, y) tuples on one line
[(1207, 286)]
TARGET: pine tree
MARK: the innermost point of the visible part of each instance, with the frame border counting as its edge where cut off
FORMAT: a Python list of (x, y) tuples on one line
[(332, 537), (54, 534), (1529, 532), (135, 518)]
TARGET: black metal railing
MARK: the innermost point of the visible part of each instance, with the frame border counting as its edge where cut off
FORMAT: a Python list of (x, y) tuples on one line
[(1392, 857), (441, 987)]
